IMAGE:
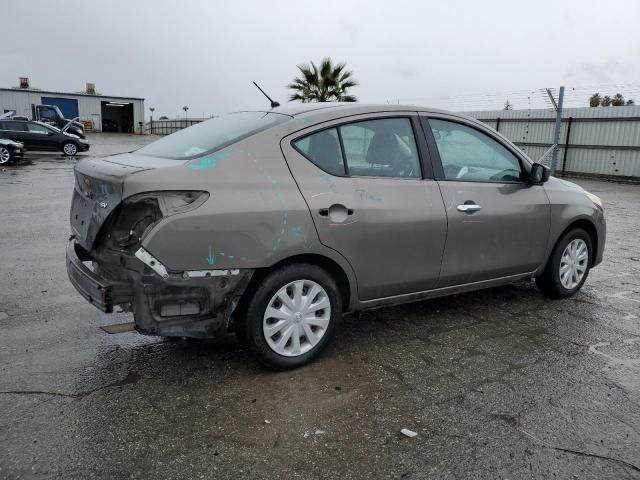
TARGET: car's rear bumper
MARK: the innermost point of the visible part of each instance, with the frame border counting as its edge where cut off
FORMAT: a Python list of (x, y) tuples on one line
[(100, 292), (186, 304)]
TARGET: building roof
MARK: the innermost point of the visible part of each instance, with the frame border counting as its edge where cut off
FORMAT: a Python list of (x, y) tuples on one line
[(49, 92)]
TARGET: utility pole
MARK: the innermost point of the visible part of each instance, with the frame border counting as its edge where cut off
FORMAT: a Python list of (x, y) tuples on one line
[(556, 131)]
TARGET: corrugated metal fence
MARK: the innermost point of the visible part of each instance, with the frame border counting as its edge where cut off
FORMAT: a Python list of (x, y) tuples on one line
[(593, 141)]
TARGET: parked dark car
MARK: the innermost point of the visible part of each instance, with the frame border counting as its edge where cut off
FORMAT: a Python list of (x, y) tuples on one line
[(109, 126), (40, 136), (274, 224), (10, 151)]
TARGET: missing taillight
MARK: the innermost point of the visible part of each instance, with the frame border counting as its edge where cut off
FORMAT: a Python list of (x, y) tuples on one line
[(140, 212)]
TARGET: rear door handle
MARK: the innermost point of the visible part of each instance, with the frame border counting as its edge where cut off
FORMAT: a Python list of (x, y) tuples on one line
[(469, 208), (324, 212)]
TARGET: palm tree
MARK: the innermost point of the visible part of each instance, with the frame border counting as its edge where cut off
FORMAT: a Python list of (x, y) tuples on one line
[(595, 100), (325, 84)]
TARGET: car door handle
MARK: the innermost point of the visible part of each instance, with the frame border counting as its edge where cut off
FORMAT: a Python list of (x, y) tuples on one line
[(469, 208), (324, 212)]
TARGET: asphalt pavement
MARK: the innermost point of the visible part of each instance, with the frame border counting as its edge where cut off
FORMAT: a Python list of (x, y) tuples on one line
[(500, 384)]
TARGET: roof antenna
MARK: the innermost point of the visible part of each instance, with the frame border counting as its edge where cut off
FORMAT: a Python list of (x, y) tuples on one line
[(274, 104)]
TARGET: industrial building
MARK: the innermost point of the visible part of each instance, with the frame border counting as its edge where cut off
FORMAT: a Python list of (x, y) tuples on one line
[(98, 112)]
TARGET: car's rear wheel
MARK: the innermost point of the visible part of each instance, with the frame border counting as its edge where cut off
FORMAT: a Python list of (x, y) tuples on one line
[(568, 266), (70, 148), (291, 316), (5, 156)]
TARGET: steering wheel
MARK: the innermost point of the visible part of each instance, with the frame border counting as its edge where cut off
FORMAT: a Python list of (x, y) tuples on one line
[(508, 175), (463, 171)]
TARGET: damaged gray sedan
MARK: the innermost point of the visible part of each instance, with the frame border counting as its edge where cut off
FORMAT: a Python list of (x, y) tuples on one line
[(274, 224)]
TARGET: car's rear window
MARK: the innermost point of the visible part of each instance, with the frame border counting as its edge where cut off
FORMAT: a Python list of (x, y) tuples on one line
[(212, 135)]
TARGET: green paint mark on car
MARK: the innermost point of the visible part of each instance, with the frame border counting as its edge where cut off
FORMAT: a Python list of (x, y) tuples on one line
[(210, 161)]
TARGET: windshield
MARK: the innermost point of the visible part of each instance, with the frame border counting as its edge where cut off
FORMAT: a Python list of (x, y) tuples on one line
[(212, 135)]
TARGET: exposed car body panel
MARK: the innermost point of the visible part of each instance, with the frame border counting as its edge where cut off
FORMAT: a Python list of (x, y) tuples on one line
[(97, 193)]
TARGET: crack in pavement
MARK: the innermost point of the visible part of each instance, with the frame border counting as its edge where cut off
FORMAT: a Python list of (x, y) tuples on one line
[(130, 379), (580, 453)]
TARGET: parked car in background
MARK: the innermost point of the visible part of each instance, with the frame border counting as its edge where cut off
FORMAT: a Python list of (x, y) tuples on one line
[(274, 224), (109, 126), (10, 151), (41, 136), (52, 115)]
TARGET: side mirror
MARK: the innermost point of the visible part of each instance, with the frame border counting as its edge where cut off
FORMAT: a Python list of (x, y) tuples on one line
[(539, 174)]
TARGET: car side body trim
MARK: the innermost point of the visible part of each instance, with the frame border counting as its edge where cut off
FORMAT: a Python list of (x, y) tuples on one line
[(444, 291)]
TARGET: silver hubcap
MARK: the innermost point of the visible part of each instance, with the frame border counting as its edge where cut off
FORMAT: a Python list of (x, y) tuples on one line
[(4, 155), (296, 318), (573, 263), (70, 149)]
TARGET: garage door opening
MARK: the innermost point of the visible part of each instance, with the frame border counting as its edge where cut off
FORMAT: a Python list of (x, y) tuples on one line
[(117, 117)]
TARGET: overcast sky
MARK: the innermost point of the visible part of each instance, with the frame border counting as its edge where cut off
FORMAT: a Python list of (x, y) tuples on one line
[(205, 54)]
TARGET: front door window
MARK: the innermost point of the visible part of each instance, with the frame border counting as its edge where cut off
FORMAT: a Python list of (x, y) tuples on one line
[(468, 154)]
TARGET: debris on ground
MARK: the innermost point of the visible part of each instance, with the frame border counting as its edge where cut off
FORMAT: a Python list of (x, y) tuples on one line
[(408, 433)]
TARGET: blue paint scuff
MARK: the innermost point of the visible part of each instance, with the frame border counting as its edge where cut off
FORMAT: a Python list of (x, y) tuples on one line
[(210, 161), (327, 179), (365, 195), (211, 259)]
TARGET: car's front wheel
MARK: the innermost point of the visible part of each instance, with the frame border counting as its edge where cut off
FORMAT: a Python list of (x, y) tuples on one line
[(5, 156), (568, 265), (70, 148), (291, 316)]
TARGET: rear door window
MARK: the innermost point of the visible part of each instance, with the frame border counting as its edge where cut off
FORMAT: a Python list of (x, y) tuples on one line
[(323, 149), (14, 126), (381, 148)]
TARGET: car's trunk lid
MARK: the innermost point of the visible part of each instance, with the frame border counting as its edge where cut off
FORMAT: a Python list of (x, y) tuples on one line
[(99, 190)]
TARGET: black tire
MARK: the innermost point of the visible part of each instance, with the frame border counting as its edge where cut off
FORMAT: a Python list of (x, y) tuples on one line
[(5, 155), (549, 282), (252, 323), (69, 147)]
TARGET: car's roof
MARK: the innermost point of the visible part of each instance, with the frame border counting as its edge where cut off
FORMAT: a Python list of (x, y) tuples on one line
[(295, 109)]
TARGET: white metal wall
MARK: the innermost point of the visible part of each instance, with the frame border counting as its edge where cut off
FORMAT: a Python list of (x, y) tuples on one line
[(89, 107), (602, 140)]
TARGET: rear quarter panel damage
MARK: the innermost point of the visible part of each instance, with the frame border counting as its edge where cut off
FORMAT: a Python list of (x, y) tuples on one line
[(254, 218)]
